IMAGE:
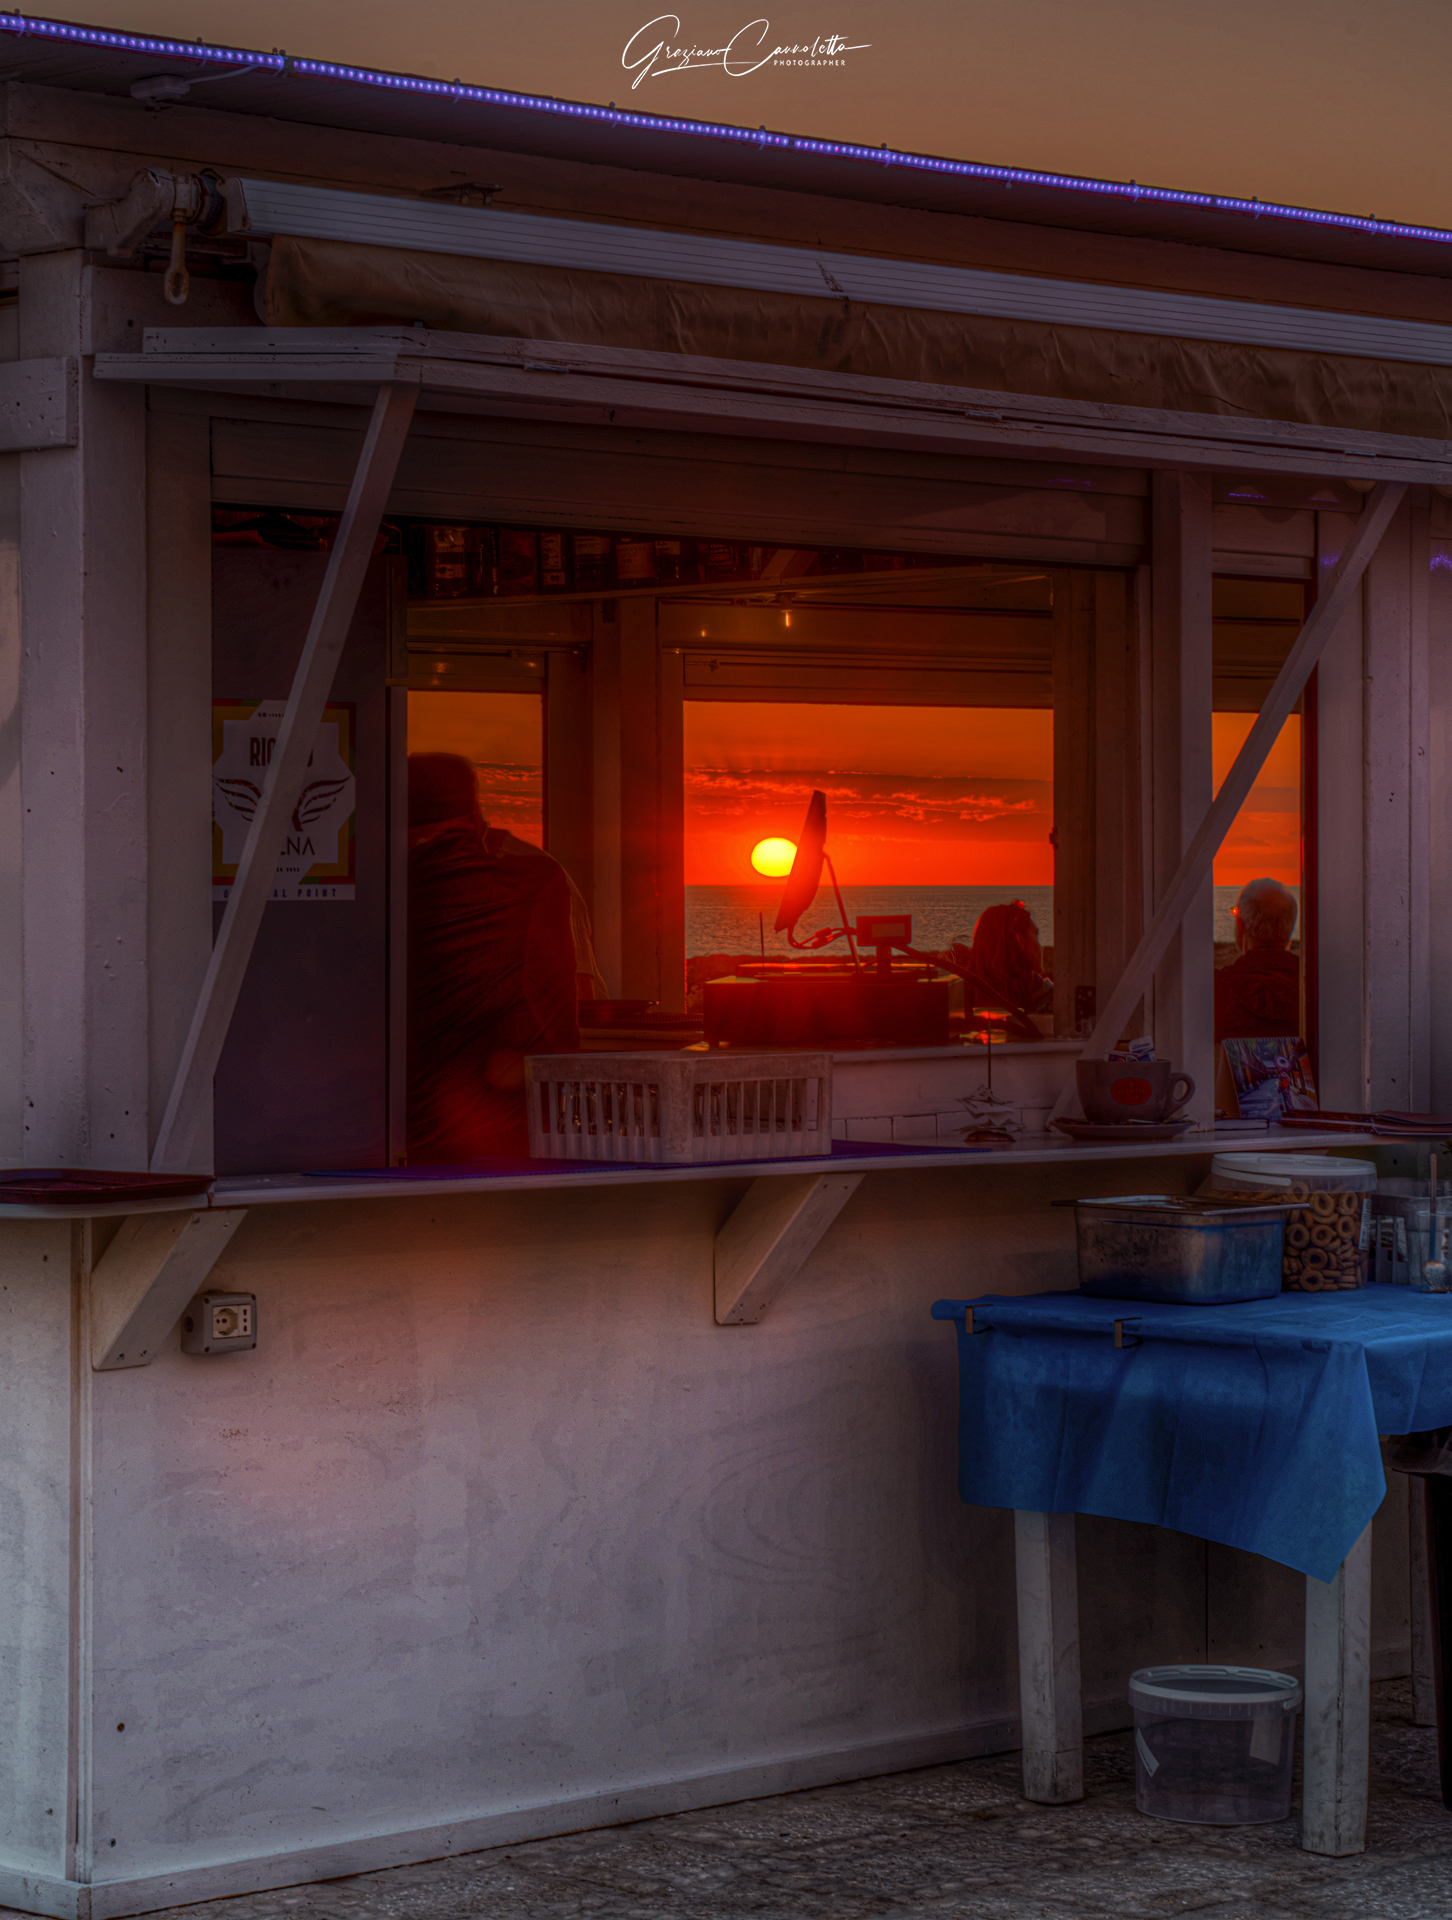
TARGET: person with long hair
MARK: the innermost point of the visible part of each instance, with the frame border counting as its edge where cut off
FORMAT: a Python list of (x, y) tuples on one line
[(1003, 969)]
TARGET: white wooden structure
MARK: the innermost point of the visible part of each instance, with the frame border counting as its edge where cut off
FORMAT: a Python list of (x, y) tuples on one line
[(562, 1499)]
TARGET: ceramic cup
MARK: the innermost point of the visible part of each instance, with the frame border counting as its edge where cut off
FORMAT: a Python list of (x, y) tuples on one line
[(1113, 1091)]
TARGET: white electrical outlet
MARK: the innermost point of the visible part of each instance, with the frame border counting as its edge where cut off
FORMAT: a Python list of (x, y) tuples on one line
[(232, 1323), (220, 1323)]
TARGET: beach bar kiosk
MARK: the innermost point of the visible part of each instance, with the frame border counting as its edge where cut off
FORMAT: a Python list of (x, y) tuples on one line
[(517, 1499)]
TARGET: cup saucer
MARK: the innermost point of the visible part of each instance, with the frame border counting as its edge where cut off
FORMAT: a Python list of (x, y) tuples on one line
[(1123, 1129)]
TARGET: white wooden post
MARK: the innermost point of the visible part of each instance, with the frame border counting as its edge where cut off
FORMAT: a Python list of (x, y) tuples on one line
[(1194, 869), (1075, 763), (1183, 784), (1121, 822), (337, 601), (1340, 945), (1438, 564), (82, 738), (625, 721), (1395, 852), (179, 729), (1338, 1706), (1048, 1657), (607, 721)]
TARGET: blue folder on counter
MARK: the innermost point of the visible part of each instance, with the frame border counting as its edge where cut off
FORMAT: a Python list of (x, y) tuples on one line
[(1254, 1425)]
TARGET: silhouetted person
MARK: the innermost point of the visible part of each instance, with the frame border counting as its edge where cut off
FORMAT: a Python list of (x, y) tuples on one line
[(491, 971), (1004, 967), (1258, 996), (589, 983)]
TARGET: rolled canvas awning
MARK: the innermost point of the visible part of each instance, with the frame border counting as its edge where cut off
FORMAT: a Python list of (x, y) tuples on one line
[(335, 283), (347, 259)]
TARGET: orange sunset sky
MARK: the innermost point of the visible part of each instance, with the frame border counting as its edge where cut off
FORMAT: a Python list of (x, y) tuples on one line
[(916, 796), (945, 796)]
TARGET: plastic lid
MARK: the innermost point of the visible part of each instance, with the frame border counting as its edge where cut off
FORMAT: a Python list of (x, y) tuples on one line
[(1214, 1692), (1325, 1171)]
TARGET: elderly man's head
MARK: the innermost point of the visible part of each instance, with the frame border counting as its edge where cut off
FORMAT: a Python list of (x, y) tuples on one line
[(441, 787), (1265, 915)]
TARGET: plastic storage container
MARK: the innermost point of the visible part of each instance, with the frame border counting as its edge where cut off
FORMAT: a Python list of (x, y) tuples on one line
[(1427, 1249), (1213, 1745), (1399, 1226), (1328, 1239), (1161, 1246)]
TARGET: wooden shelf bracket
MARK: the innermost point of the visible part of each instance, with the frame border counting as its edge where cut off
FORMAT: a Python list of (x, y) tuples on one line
[(766, 1242), (146, 1276)]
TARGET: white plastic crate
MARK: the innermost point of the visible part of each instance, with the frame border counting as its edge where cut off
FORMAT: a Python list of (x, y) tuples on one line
[(673, 1108)]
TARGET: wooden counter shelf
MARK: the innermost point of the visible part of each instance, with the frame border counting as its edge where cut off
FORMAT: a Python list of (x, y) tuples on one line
[(143, 1279)]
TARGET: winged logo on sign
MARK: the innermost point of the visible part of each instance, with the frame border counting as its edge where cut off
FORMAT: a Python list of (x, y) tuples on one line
[(315, 841), (314, 801), (241, 795)]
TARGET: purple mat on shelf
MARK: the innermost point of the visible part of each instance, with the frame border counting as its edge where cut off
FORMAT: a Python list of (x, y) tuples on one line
[(502, 1169), (70, 1186)]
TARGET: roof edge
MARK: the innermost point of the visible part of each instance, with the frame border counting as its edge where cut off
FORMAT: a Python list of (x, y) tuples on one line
[(233, 59)]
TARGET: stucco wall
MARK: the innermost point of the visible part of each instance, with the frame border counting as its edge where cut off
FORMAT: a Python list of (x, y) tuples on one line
[(498, 1533)]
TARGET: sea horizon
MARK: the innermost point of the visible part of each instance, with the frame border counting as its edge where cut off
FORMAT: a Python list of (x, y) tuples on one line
[(738, 919)]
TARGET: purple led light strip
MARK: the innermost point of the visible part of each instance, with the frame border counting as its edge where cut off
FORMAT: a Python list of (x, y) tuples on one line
[(20, 23)]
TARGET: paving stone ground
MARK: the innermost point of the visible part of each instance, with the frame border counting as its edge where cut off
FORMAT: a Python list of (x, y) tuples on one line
[(946, 1841)]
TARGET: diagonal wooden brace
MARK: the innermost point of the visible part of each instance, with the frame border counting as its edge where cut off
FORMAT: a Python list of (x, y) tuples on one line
[(766, 1242), (296, 737), (1194, 868), (147, 1275)]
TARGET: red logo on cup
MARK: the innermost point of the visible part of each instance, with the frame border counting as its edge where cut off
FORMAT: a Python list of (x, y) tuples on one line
[(1131, 1092)]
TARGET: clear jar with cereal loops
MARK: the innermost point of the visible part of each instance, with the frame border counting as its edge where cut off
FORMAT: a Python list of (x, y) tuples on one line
[(1327, 1239)]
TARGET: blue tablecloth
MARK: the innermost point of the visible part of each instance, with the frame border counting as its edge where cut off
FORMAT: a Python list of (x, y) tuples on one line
[(1255, 1425)]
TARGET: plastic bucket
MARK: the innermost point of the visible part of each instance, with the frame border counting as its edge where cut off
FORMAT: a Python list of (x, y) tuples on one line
[(1213, 1746), (1274, 1172)]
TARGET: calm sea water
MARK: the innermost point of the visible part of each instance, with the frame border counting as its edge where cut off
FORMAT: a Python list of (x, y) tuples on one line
[(724, 919)]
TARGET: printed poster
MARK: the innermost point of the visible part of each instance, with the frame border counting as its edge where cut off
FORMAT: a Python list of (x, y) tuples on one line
[(316, 860), (1271, 1077)]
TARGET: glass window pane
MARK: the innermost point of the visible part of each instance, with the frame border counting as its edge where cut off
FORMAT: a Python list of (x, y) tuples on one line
[(934, 811), (1265, 842), (502, 736)]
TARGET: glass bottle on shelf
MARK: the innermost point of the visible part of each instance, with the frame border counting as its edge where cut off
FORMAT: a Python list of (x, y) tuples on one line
[(675, 563), (634, 561), (518, 561), (554, 569), (594, 563), (457, 562)]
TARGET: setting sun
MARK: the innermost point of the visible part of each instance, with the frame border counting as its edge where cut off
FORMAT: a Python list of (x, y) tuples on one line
[(773, 858)]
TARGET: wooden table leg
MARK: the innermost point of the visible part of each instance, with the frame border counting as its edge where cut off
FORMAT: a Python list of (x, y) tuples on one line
[(1048, 1657), (1424, 1627), (1434, 1496), (1338, 1706)]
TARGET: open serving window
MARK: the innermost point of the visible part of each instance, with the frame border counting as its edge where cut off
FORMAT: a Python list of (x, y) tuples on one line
[(651, 712)]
